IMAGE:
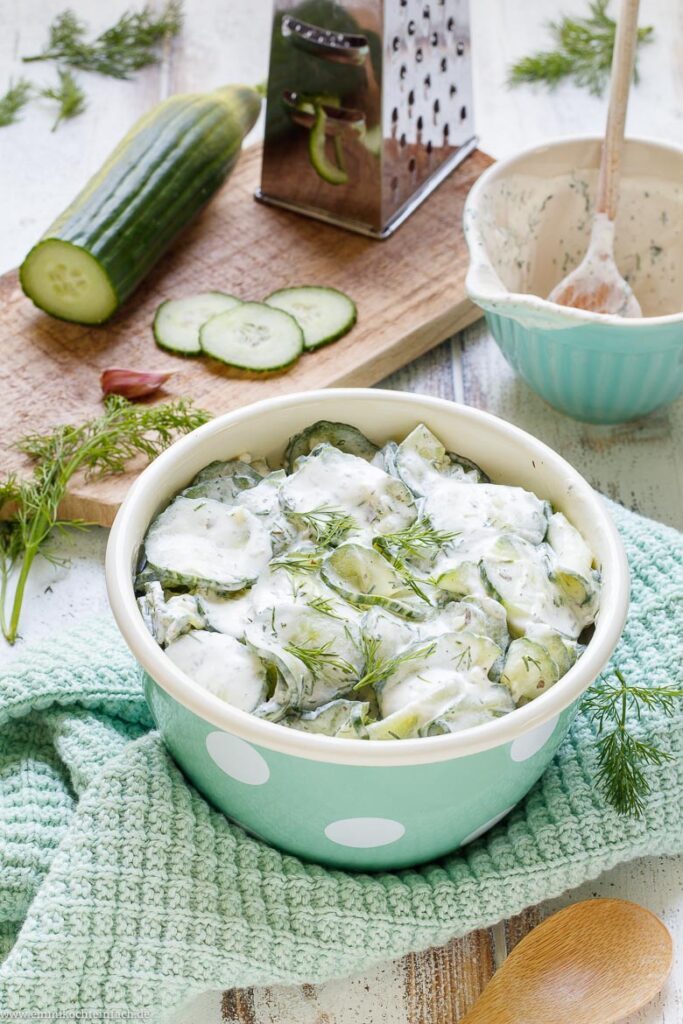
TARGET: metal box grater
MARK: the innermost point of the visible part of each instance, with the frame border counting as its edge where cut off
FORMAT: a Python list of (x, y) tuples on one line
[(369, 107)]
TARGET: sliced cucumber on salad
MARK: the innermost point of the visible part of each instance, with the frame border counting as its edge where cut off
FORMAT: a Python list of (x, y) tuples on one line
[(254, 338), (324, 314), (177, 321)]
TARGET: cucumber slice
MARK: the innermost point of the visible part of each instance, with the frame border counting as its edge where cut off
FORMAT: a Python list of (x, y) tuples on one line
[(528, 671), (168, 620), (223, 481), (561, 649), (340, 435), (332, 173), (465, 580), (222, 665), (340, 717), (364, 578), (324, 314), (177, 321), (253, 338), (66, 281), (199, 542)]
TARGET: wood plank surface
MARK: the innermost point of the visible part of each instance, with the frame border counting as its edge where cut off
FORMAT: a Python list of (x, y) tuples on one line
[(409, 291)]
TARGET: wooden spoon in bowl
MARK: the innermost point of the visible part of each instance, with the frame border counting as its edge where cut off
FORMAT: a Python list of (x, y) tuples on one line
[(595, 962), (596, 283)]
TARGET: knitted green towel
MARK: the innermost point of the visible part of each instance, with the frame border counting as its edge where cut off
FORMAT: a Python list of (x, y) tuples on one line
[(121, 889)]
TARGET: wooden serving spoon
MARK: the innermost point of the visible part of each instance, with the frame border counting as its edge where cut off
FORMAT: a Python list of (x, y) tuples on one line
[(595, 962), (596, 283)]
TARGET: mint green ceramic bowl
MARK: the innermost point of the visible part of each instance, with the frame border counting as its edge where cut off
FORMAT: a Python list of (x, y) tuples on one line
[(353, 803), (527, 222)]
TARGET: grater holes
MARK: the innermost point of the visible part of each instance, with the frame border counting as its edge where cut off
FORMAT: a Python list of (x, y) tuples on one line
[(429, 146), (453, 90), (463, 113), (446, 132), (426, 12), (428, 81), (460, 48), (394, 115), (450, 24), (411, 97), (434, 39), (411, 28), (395, 44), (403, 72), (394, 183), (411, 164), (444, 64), (419, 55), (402, 141), (420, 123)]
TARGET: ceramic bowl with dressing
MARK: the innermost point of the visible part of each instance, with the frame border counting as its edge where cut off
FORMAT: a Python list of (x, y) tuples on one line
[(527, 222), (356, 803)]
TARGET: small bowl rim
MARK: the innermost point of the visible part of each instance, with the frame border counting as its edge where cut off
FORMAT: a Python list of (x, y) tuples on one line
[(318, 747), (476, 247)]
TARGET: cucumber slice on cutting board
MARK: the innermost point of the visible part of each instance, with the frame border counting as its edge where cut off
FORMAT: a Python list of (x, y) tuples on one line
[(178, 321), (253, 338), (324, 314)]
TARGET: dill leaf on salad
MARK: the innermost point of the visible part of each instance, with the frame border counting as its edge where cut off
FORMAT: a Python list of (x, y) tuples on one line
[(127, 46), (376, 668), (582, 50), (101, 446), (622, 758), (328, 525), (14, 101), (68, 94)]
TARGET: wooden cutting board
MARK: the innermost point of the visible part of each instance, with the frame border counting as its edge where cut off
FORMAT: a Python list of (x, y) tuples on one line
[(409, 291)]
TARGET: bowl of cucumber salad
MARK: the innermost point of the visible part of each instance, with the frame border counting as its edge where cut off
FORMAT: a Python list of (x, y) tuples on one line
[(365, 618)]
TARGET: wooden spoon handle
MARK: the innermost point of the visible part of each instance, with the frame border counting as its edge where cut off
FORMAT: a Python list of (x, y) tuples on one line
[(620, 83)]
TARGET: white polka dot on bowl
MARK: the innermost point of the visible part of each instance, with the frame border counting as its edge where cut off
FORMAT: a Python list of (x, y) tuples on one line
[(531, 742), (484, 828), (237, 758), (364, 833)]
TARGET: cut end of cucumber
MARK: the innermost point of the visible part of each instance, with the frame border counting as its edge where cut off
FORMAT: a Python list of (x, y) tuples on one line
[(324, 314), (67, 282)]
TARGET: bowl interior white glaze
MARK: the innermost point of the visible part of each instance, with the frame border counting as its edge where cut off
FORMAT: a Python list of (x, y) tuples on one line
[(528, 221), (507, 454)]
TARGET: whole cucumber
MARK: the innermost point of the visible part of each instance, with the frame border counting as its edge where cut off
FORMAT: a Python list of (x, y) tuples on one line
[(159, 176)]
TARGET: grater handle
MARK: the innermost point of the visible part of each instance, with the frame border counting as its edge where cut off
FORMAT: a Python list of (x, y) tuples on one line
[(340, 47)]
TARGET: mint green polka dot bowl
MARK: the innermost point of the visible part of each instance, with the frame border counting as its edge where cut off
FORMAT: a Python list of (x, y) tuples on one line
[(354, 803), (527, 222)]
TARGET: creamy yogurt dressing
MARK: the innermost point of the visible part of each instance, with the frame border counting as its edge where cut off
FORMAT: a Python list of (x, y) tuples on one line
[(391, 595), (536, 229)]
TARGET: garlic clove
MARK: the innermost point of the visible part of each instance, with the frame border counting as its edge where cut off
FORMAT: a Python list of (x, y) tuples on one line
[(131, 383)]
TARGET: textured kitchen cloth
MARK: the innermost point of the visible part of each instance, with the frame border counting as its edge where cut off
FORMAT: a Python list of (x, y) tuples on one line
[(121, 889)]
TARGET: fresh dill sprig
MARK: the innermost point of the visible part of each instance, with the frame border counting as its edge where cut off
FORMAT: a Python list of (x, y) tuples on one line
[(621, 757), (317, 659), (418, 540), (328, 525), (582, 50), (299, 561), (100, 446), (376, 668), (68, 94), (14, 101), (130, 44), (324, 606)]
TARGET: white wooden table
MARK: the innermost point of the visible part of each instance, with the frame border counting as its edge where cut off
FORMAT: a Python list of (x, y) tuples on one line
[(639, 464)]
